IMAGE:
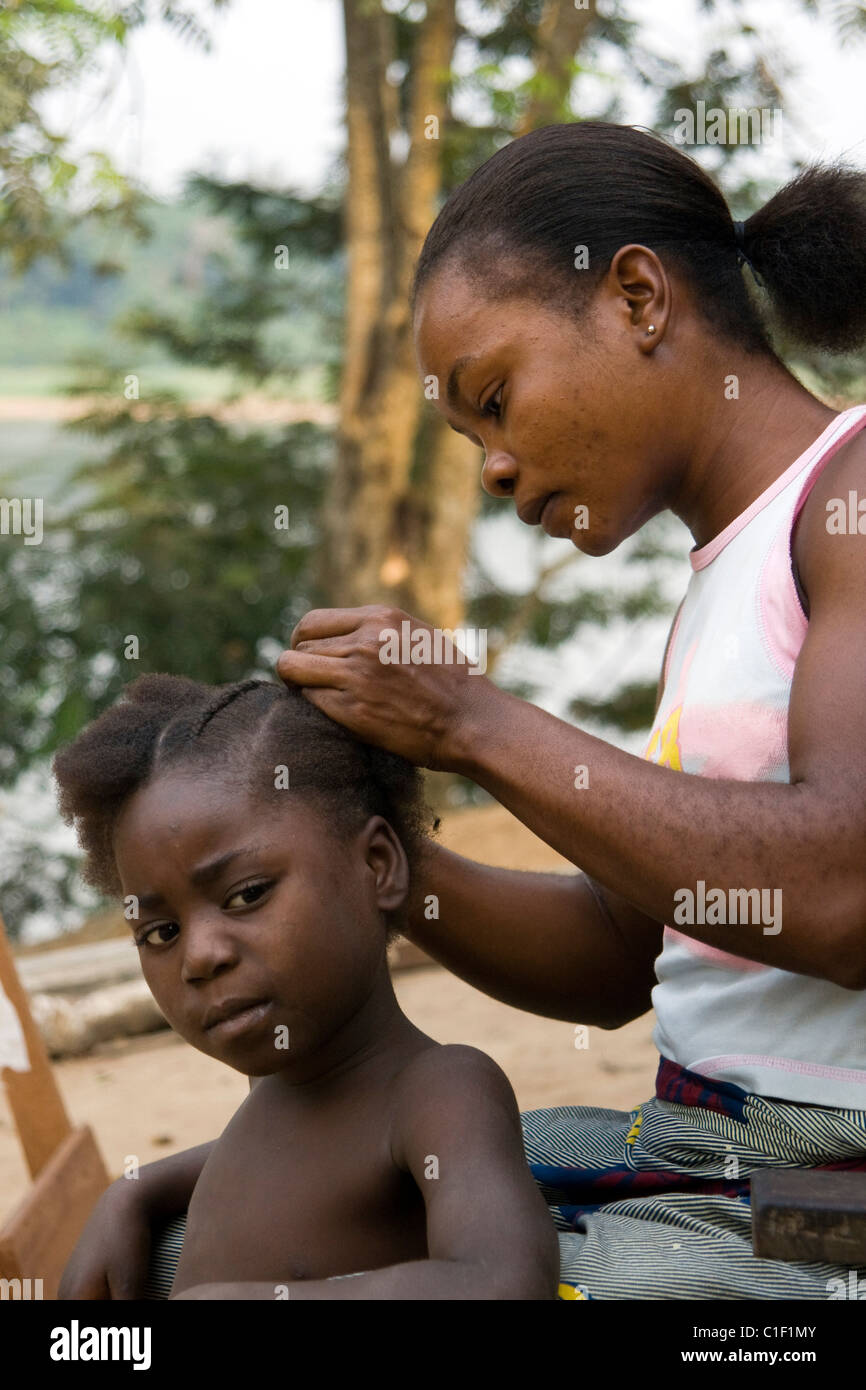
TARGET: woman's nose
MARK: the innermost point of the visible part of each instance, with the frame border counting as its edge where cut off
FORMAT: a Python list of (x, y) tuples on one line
[(498, 473)]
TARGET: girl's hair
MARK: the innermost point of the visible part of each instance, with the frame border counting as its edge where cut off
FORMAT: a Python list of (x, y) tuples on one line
[(514, 225), (248, 730)]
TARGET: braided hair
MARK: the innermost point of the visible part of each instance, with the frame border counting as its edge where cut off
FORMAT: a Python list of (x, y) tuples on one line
[(248, 728)]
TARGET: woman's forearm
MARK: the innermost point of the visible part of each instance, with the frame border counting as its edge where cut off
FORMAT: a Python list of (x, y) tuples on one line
[(543, 942), (649, 832)]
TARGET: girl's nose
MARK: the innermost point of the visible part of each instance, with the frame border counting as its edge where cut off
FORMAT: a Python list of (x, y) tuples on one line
[(208, 947), (498, 473)]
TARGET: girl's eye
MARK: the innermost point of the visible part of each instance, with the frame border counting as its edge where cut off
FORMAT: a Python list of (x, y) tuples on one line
[(145, 937), (249, 894), (494, 404)]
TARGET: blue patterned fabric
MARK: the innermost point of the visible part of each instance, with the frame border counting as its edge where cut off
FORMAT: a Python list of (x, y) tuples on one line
[(653, 1203)]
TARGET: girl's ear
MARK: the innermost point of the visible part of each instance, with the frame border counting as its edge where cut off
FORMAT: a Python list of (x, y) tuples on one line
[(386, 859)]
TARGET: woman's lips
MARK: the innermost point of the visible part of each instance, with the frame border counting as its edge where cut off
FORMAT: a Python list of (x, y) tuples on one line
[(547, 513)]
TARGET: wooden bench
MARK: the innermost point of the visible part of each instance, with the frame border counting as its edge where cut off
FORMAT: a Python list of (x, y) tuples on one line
[(806, 1215), (65, 1164)]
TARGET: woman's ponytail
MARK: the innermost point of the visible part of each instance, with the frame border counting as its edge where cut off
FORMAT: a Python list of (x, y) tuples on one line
[(808, 245)]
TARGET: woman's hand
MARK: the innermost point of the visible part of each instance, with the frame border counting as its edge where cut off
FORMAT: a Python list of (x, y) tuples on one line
[(111, 1258), (393, 680)]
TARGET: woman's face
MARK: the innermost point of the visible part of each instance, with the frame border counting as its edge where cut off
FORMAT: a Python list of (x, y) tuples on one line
[(569, 412)]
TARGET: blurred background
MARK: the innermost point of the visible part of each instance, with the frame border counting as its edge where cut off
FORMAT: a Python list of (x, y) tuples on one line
[(209, 214)]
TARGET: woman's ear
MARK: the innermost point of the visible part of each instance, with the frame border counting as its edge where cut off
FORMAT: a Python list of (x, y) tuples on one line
[(386, 859), (638, 279)]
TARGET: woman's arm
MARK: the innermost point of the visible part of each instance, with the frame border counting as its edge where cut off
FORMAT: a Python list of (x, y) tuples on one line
[(588, 957), (554, 944), (642, 831), (651, 831)]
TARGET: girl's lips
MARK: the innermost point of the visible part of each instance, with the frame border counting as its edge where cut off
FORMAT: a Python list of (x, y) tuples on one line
[(243, 1022)]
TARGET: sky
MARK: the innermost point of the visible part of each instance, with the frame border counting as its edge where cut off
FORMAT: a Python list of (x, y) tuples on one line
[(266, 102)]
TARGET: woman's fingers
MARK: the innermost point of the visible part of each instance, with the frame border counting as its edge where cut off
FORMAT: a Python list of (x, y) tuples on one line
[(311, 668), (337, 622), (329, 633), (378, 672)]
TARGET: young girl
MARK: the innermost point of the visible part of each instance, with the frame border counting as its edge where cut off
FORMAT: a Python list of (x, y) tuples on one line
[(264, 857)]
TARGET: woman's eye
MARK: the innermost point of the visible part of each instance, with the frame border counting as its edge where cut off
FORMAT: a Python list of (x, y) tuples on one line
[(494, 404), (155, 930), (245, 897)]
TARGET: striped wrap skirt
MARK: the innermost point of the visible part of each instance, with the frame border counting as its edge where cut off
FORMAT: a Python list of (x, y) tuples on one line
[(653, 1203)]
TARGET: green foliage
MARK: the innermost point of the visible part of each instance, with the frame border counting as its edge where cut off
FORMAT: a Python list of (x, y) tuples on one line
[(45, 45), (176, 545), (262, 320), (631, 709)]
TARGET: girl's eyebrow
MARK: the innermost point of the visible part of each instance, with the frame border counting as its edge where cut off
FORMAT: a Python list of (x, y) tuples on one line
[(204, 873)]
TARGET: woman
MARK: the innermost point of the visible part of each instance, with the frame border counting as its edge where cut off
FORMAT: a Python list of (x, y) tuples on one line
[(582, 301)]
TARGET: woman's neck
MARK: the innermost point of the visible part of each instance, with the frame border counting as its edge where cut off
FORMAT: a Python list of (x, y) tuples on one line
[(741, 445)]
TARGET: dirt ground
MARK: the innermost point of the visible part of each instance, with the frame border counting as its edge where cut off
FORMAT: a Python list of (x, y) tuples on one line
[(154, 1095)]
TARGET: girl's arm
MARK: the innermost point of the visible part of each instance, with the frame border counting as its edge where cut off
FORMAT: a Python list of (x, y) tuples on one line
[(111, 1258)]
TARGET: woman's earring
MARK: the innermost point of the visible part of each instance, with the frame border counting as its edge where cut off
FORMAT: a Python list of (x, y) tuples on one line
[(652, 328)]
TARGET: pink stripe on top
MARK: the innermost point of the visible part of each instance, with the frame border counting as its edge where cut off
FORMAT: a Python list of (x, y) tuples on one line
[(845, 424)]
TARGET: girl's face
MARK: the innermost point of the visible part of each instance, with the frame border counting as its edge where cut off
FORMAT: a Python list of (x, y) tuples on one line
[(570, 414), (257, 911)]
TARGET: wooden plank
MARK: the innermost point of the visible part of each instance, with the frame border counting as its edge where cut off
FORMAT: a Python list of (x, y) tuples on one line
[(805, 1214), (39, 1236), (34, 1099)]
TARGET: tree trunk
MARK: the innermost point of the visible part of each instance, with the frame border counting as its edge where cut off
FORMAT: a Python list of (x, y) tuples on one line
[(561, 30), (369, 552), (405, 489)]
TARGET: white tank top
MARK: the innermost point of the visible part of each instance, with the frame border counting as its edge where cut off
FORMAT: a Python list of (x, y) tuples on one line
[(724, 713)]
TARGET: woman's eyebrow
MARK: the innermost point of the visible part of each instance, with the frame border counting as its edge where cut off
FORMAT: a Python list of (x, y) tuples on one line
[(467, 434), (453, 388)]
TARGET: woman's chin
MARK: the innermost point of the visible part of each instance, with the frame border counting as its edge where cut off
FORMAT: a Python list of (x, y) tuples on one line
[(595, 543)]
